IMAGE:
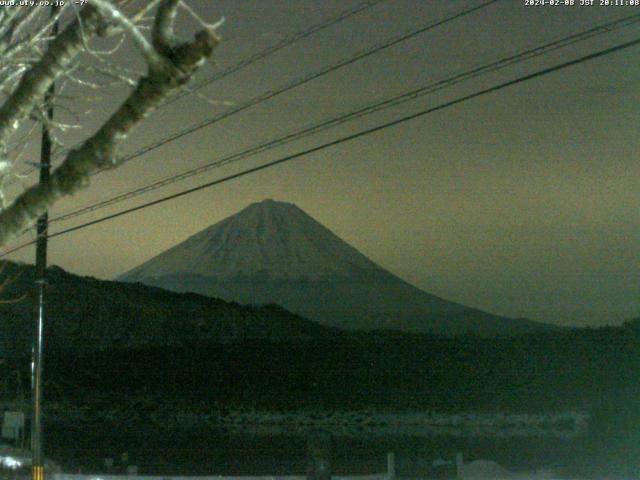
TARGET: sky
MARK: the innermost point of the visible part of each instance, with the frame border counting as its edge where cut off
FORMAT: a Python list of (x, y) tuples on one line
[(522, 202)]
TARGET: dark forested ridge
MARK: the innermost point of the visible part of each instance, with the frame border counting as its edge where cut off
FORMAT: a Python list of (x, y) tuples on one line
[(86, 314), (106, 336)]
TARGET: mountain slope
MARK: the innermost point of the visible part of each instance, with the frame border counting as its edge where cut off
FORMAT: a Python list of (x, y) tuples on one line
[(273, 252)]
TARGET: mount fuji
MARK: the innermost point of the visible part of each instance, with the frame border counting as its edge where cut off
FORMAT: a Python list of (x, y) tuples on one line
[(273, 252)]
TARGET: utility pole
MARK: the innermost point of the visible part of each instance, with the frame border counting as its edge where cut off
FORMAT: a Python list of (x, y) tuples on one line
[(37, 455)]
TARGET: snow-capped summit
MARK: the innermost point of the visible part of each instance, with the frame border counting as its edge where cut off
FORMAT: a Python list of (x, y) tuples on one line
[(273, 252), (269, 239)]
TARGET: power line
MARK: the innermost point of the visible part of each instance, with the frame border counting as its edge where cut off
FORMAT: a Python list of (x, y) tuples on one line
[(347, 138), (372, 108), (263, 54), (275, 48), (19, 247), (301, 81)]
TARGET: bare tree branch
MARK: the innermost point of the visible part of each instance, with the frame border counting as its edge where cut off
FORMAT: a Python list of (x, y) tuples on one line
[(178, 64), (113, 14), (37, 80), (163, 37)]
